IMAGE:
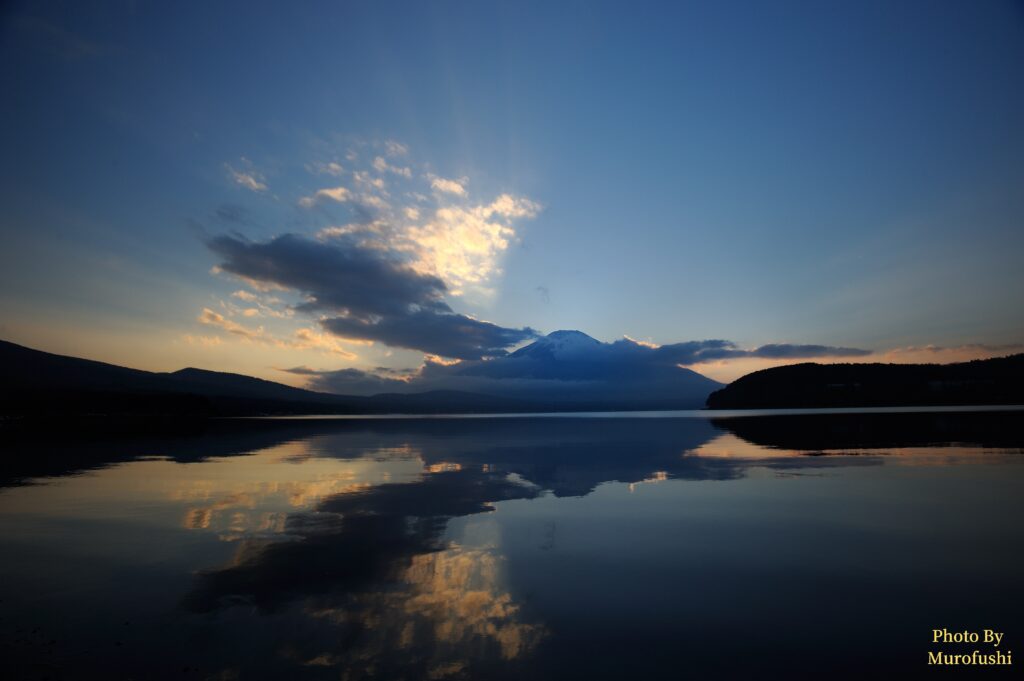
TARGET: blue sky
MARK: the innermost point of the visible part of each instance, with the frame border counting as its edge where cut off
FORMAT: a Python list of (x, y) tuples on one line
[(841, 174)]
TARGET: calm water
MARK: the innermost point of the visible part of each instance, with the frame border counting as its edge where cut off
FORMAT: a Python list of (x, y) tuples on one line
[(771, 546)]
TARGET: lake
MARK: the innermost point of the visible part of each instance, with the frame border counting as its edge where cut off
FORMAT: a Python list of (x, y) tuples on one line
[(672, 546)]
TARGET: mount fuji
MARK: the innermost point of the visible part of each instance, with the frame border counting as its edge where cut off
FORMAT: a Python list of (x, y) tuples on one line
[(571, 370)]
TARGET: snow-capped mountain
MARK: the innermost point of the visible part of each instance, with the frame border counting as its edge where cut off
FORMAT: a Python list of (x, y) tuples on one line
[(559, 344), (571, 367)]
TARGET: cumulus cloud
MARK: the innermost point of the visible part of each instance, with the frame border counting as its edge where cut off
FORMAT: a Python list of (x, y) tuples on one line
[(339, 194), (456, 187), (381, 165), (445, 235), (368, 181)]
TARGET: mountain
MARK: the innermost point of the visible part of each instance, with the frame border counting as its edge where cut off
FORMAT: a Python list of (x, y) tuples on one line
[(572, 371), (559, 344), (33, 382), (979, 382)]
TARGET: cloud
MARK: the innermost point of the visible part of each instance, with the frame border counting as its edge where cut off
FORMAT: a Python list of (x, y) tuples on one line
[(263, 306), (339, 194), (211, 318), (329, 168), (456, 187), (336, 275), (510, 206), (442, 234), (447, 335), (302, 339), (393, 148), (309, 339), (383, 166), (697, 352), (787, 351), (375, 293), (248, 178), (205, 341), (364, 178), (462, 244), (388, 275)]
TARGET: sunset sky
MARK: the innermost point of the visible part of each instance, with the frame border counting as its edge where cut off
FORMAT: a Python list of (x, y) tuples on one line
[(363, 185)]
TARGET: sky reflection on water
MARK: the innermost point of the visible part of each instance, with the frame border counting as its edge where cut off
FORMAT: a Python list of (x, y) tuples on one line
[(550, 548)]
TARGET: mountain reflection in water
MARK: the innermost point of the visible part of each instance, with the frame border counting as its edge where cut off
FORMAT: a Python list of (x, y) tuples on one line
[(480, 548)]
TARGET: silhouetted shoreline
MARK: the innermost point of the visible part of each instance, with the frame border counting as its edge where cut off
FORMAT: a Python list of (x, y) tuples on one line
[(984, 381)]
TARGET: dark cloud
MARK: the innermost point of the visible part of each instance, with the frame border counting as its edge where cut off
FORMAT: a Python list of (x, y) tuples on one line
[(448, 335), (375, 293), (337, 276), (786, 351), (696, 352)]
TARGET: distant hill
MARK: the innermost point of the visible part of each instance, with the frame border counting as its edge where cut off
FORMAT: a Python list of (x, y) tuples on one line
[(980, 382), (36, 383), (33, 382)]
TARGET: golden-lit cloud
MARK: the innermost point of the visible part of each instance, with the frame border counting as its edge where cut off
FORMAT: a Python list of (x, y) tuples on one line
[(388, 275), (445, 603), (212, 318), (646, 344), (301, 339), (460, 243)]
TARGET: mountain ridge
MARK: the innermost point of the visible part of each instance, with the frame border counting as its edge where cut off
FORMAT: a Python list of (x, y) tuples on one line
[(38, 382)]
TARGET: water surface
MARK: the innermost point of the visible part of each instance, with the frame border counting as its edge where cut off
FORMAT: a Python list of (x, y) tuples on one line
[(757, 546)]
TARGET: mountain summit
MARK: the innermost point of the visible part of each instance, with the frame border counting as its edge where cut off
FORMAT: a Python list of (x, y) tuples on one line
[(559, 344)]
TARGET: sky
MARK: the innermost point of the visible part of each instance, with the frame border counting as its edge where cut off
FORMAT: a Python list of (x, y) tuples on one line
[(379, 187)]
